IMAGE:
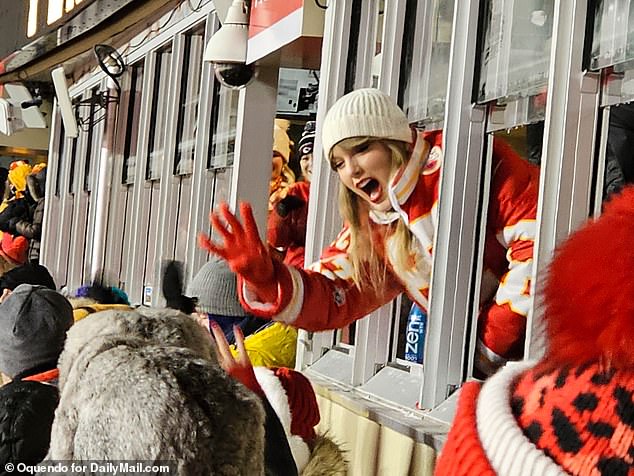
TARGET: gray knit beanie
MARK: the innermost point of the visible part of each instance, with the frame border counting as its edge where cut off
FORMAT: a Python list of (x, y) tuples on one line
[(364, 113), (216, 289), (33, 325)]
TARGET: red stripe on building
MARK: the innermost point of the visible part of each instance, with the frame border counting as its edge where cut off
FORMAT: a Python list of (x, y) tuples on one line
[(265, 13)]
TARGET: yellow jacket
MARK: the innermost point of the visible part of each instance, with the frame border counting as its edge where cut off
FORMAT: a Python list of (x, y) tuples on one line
[(80, 312), (272, 346)]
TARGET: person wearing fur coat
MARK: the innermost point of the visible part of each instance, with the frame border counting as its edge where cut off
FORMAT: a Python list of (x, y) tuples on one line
[(293, 399), (145, 385), (573, 411)]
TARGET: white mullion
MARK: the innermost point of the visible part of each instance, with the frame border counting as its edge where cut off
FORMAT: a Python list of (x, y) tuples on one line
[(391, 46), (202, 179), (455, 240), (102, 190), (52, 218), (66, 216), (566, 169), (114, 241), (479, 265), (323, 219), (366, 43), (75, 260), (142, 189), (421, 63), (603, 150), (163, 242)]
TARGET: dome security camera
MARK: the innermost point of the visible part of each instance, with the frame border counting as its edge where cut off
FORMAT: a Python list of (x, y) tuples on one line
[(227, 49), (234, 75)]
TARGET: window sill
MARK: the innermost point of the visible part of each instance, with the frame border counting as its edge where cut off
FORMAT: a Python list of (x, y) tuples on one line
[(420, 426)]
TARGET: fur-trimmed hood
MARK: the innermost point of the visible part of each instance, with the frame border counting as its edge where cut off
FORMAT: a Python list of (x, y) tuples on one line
[(146, 386), (326, 459)]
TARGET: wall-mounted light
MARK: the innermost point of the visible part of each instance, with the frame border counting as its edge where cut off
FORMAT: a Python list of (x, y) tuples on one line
[(111, 62)]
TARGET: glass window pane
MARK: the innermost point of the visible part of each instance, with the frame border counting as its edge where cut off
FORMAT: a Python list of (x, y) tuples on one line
[(92, 120), (60, 156), (426, 44), (73, 149), (73, 164), (619, 162), (613, 38), (158, 116), (55, 10), (353, 46), (505, 299), (132, 122), (379, 18), (32, 18), (224, 118), (189, 98), (515, 53)]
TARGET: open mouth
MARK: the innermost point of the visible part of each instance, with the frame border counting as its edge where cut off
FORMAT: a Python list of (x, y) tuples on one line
[(372, 188)]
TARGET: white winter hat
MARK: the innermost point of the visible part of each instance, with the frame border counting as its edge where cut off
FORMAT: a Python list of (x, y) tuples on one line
[(364, 113)]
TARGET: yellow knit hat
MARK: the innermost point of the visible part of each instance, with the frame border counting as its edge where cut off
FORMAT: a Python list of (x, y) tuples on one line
[(281, 141), (18, 171)]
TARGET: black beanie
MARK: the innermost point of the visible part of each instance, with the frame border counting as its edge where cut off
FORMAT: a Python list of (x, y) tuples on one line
[(29, 273)]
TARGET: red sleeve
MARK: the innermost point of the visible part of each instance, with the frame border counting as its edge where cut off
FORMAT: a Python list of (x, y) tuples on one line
[(322, 297), (512, 224), (283, 232)]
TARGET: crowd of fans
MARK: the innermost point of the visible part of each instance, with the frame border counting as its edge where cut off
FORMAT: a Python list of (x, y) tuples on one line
[(88, 376), (208, 384)]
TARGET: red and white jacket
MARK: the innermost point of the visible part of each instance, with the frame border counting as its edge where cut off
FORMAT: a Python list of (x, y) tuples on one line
[(324, 295)]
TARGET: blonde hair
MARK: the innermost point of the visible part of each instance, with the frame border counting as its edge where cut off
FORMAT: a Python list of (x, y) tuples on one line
[(369, 267), (288, 174)]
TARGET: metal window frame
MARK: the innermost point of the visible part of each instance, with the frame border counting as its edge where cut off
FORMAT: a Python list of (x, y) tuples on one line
[(203, 179), (251, 174), (51, 222), (372, 342), (140, 220), (115, 245), (126, 114), (94, 143), (169, 198), (455, 243), (371, 347), (568, 157), (323, 218), (80, 217), (183, 19), (601, 159)]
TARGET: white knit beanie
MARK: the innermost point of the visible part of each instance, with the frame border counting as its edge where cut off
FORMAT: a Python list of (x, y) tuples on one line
[(216, 290), (364, 113)]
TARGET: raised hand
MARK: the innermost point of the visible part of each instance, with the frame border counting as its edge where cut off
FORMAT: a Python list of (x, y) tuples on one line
[(242, 248), (239, 367)]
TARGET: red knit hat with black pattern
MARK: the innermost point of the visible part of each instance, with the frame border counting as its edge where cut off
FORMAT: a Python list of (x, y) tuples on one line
[(576, 405), (573, 411)]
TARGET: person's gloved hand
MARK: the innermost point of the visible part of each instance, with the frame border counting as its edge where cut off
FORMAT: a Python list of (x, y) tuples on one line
[(243, 250), (288, 204), (240, 367)]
